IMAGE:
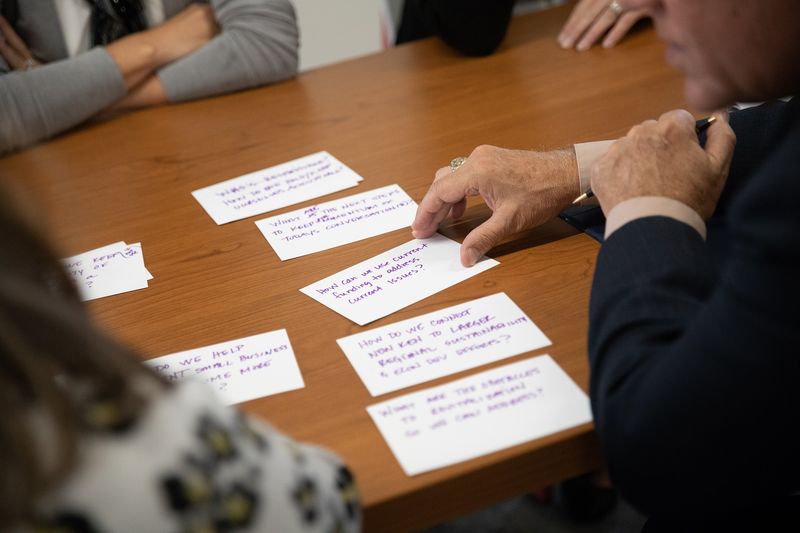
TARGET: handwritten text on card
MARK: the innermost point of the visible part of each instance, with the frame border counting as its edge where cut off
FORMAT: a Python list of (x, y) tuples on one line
[(441, 343), (480, 414), (241, 369), (395, 279), (275, 187), (338, 222)]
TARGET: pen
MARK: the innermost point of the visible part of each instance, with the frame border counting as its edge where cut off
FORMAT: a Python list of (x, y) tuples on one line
[(700, 126)]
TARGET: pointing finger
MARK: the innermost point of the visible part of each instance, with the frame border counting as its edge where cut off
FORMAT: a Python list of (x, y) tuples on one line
[(444, 193)]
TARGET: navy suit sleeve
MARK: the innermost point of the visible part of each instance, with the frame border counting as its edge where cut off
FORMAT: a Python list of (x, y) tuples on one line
[(694, 370)]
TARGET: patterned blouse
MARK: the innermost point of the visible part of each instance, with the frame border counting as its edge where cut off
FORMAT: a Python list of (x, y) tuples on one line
[(192, 465)]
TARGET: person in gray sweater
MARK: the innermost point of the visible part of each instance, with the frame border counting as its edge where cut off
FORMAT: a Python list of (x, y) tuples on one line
[(63, 63)]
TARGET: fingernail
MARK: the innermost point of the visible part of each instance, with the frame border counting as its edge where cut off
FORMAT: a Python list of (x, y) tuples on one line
[(582, 46), (473, 255), (563, 41)]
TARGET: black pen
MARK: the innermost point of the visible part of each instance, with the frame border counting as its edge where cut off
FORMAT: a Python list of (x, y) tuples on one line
[(700, 126)]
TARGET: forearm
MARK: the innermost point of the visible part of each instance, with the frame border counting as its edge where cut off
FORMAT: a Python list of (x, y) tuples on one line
[(42, 102), (258, 44), (39, 103), (136, 59), (148, 93)]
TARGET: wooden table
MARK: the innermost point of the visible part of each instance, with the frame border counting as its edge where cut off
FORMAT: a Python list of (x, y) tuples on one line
[(394, 117)]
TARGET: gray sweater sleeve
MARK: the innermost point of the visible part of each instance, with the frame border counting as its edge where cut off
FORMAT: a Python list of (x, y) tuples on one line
[(44, 101), (257, 45)]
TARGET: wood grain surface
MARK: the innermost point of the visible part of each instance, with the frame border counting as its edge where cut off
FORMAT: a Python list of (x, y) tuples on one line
[(394, 117)]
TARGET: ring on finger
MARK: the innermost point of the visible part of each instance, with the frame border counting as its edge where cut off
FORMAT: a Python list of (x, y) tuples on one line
[(616, 8), (456, 162)]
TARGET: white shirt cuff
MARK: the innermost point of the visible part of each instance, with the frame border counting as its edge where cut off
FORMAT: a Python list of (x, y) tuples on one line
[(586, 154), (653, 206)]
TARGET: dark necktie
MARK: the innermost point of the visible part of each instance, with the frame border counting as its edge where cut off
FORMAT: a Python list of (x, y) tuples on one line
[(114, 19)]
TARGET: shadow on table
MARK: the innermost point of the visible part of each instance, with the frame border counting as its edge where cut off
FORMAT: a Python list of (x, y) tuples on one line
[(548, 232)]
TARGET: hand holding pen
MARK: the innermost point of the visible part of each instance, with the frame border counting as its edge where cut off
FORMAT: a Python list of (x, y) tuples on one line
[(700, 126)]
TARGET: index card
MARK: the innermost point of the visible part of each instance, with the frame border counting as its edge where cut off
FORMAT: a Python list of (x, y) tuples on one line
[(108, 270), (338, 222), (240, 370), (395, 279), (275, 187), (481, 414), (441, 343)]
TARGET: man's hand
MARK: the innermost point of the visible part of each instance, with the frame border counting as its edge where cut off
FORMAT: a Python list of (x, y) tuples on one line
[(13, 48), (523, 189), (663, 158), (590, 20)]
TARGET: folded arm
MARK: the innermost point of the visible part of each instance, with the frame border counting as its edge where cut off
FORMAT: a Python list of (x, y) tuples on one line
[(43, 101), (257, 44)]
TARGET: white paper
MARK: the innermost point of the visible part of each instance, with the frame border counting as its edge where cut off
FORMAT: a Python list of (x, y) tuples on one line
[(441, 343), (395, 279), (481, 414), (241, 369), (289, 183), (109, 270), (338, 222)]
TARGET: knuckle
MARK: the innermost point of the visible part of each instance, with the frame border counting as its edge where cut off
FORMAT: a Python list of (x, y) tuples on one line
[(636, 130), (677, 115), (441, 173), (642, 129), (483, 150), (436, 187)]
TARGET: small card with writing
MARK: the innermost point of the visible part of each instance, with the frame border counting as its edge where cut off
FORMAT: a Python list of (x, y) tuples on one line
[(480, 414), (109, 270), (395, 279), (441, 343), (241, 369), (338, 222), (265, 190)]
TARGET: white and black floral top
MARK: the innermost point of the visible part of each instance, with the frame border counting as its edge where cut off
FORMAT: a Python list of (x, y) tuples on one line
[(191, 464)]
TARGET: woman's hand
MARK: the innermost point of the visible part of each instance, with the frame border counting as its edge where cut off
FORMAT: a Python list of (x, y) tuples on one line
[(590, 20), (13, 48)]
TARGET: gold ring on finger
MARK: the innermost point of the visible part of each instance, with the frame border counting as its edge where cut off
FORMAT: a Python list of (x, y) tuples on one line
[(457, 162)]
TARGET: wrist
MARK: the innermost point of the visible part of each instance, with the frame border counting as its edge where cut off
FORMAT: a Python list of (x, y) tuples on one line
[(135, 57), (561, 170)]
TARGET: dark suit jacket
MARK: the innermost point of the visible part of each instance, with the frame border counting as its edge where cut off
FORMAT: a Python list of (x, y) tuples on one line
[(694, 347), (473, 27)]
